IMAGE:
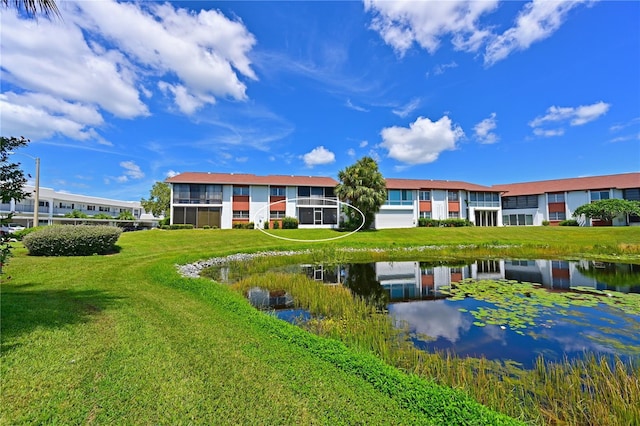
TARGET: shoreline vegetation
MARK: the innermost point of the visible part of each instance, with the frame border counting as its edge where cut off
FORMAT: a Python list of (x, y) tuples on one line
[(125, 338)]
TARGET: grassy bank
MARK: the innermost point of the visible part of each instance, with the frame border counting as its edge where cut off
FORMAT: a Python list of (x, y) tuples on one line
[(124, 339)]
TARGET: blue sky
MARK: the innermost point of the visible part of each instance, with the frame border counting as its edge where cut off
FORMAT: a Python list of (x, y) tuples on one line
[(115, 96)]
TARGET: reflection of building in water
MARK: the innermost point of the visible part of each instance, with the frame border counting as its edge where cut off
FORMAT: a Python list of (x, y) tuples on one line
[(333, 274), (263, 299), (414, 280), (487, 270), (560, 274), (418, 280)]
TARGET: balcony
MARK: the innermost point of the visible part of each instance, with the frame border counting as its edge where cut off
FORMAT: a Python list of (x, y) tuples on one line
[(317, 201)]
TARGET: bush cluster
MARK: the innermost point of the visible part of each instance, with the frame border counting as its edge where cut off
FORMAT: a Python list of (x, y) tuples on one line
[(569, 222), (178, 226), (72, 240), (444, 223), (289, 223), (243, 225)]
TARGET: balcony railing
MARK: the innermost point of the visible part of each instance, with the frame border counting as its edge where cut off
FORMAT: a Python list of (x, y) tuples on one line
[(484, 203), (213, 199), (317, 201)]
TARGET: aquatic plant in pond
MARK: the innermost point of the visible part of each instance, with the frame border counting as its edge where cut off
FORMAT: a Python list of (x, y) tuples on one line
[(519, 305), (585, 391)]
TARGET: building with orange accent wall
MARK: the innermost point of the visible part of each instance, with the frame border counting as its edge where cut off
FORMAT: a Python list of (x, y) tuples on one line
[(223, 199)]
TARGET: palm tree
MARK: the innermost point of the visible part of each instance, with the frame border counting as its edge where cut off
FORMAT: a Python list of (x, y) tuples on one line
[(45, 7), (362, 186)]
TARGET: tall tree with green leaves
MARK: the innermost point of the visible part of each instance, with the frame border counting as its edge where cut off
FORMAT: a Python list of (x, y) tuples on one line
[(606, 210), (363, 186), (12, 182), (12, 178), (159, 201)]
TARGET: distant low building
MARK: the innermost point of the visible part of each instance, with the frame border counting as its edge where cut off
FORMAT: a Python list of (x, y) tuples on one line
[(55, 207)]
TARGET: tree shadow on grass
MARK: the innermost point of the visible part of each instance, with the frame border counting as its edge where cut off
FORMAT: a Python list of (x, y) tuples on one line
[(24, 308)]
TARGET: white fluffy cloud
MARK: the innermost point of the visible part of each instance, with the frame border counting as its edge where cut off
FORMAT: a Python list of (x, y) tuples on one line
[(318, 156), (422, 142), (538, 20), (131, 171), (105, 57), (41, 115), (575, 116), (484, 130), (403, 23), (427, 23)]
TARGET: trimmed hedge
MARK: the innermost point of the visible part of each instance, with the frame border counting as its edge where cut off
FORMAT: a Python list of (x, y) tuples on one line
[(289, 223), (177, 226), (243, 225), (445, 223), (72, 240)]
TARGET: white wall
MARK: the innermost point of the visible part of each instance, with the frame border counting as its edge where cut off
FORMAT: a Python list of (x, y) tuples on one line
[(226, 216), (258, 205)]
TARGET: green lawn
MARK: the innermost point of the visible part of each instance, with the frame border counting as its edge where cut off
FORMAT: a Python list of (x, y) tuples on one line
[(124, 339)]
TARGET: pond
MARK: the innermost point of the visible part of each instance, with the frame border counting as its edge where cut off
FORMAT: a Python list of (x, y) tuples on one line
[(519, 310)]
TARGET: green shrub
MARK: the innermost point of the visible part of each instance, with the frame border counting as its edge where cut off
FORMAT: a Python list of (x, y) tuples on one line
[(569, 222), (266, 224), (243, 225), (102, 216), (446, 223), (206, 227), (289, 223), (545, 223), (276, 225), (72, 240), (180, 226), (76, 214), (165, 221), (19, 235)]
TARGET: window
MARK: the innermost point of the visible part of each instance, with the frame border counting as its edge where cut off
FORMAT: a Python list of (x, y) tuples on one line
[(520, 202), (196, 194), (64, 205), (484, 199), (278, 191), (241, 214), (425, 215), (454, 215), (43, 203), (274, 214), (91, 208), (452, 195), (517, 219), (425, 195), (631, 194), (104, 209), (240, 190), (399, 197), (304, 191), (557, 197), (557, 215), (599, 195)]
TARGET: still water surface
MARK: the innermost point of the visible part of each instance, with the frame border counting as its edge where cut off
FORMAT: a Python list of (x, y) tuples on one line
[(416, 295)]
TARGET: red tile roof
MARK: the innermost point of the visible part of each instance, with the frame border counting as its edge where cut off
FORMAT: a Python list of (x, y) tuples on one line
[(393, 183), (621, 181), (251, 179)]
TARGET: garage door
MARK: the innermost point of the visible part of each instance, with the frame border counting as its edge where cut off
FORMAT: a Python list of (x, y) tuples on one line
[(395, 219)]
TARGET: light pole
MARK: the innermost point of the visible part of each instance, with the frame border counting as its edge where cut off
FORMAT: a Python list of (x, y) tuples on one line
[(36, 206)]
